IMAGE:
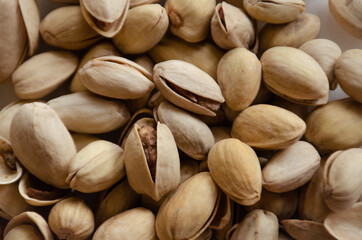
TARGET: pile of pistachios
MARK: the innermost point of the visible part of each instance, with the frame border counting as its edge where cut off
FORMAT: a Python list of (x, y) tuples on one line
[(180, 120)]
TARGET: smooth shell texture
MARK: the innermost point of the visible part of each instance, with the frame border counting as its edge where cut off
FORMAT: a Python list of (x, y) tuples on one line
[(6, 116), (23, 231), (295, 76), (236, 170), (268, 127), (302, 229), (82, 140)]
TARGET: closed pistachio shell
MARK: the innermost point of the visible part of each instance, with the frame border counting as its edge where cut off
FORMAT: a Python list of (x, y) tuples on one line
[(303, 229), (116, 77), (82, 140), (268, 127), (42, 143), (143, 29), (190, 20), (105, 17), (188, 87), (84, 174), (235, 168), (137, 223), (335, 126), (23, 231), (284, 76), (66, 28), (10, 169), (135, 3), (43, 73)]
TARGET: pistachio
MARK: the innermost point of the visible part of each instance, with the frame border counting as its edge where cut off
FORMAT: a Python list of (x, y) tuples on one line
[(284, 76), (294, 34), (326, 53), (152, 161), (300, 110), (268, 127), (105, 17), (300, 229), (235, 168), (231, 27), (135, 3), (82, 140), (71, 218), (84, 174), (23, 231), (137, 223), (66, 28), (42, 143), (43, 73), (348, 15), (349, 73), (190, 20), (220, 133), (188, 87), (143, 29), (188, 168), (116, 77), (10, 169), (146, 62), (335, 126), (239, 77), (206, 235), (274, 11)]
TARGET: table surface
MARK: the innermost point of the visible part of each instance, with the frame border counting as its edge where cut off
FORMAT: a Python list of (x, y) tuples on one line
[(330, 29)]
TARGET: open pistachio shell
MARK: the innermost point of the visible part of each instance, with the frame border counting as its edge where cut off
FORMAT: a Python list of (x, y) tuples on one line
[(223, 215), (302, 229), (152, 160), (105, 17), (10, 169)]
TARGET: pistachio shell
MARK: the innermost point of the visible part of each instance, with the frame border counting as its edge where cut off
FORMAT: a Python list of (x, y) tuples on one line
[(235, 168), (146, 62), (84, 174), (188, 87), (135, 3), (188, 168), (190, 210), (23, 231), (300, 110), (294, 34), (302, 229), (220, 133), (349, 73), (291, 168), (137, 223), (189, 19), (284, 76), (82, 140), (105, 17), (335, 126), (10, 169), (268, 127), (143, 29), (42, 143), (43, 73), (116, 77), (192, 136), (66, 28), (224, 213)]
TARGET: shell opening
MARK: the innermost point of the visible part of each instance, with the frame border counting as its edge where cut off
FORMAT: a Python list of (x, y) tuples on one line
[(7, 154), (42, 191), (222, 17), (148, 136), (176, 19)]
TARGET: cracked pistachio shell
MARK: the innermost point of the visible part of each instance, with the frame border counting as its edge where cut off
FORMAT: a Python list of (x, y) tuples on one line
[(335, 126), (82, 140), (342, 179), (239, 77), (40, 227), (303, 229), (71, 218), (236, 170), (19, 31), (190, 210), (188, 87), (203, 55), (274, 11), (349, 73), (259, 225), (100, 50), (189, 19), (10, 169), (294, 34), (43, 73), (66, 28), (105, 17), (348, 15), (166, 175), (42, 143), (143, 29), (136, 3), (84, 175), (115, 200), (11, 202), (268, 127), (346, 224), (192, 136), (285, 76), (137, 223), (291, 168), (116, 77), (326, 53), (84, 112), (231, 27)]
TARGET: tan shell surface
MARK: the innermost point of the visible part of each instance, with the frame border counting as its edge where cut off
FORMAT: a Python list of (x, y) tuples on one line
[(10, 169), (303, 229), (135, 3)]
